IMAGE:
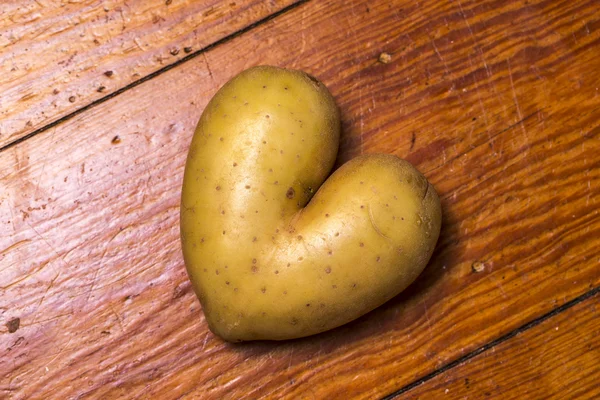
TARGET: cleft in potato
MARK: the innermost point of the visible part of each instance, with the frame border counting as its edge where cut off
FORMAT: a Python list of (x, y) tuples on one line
[(276, 249)]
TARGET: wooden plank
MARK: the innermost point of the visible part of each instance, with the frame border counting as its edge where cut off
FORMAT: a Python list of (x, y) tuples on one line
[(58, 56), (496, 103), (557, 359)]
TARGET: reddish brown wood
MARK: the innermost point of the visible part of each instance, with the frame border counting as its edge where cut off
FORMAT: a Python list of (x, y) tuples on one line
[(57, 56), (555, 360), (496, 102)]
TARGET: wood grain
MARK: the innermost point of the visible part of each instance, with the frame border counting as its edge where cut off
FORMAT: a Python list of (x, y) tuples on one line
[(555, 360), (57, 56), (496, 103)]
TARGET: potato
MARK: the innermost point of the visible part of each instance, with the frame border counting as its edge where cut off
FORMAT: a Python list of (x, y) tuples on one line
[(266, 258)]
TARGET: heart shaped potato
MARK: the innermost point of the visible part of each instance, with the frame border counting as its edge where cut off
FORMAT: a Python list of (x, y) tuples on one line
[(266, 258)]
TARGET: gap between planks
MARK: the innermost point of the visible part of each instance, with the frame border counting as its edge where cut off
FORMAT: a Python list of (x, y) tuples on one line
[(494, 343), (156, 73)]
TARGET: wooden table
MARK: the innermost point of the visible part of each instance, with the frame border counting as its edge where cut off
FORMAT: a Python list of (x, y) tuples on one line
[(496, 102)]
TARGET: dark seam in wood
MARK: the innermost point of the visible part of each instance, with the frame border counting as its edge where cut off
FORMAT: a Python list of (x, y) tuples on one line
[(494, 343), (154, 74)]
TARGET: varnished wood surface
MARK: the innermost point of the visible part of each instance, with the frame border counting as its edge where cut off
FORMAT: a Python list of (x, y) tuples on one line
[(555, 360), (58, 56), (497, 103)]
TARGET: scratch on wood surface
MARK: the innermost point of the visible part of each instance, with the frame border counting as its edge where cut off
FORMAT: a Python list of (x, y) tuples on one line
[(45, 162), (124, 25), (49, 245), (462, 13), (61, 351), (44, 296), (204, 341), (136, 40), (117, 316), (440, 56), (481, 53), (302, 38), (319, 353), (87, 300), (498, 284), (27, 276), (212, 78), (54, 318), (516, 100), (477, 92), (17, 161), (487, 69), (146, 184)]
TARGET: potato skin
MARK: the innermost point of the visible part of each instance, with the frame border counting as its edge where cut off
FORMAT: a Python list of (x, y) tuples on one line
[(264, 264)]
